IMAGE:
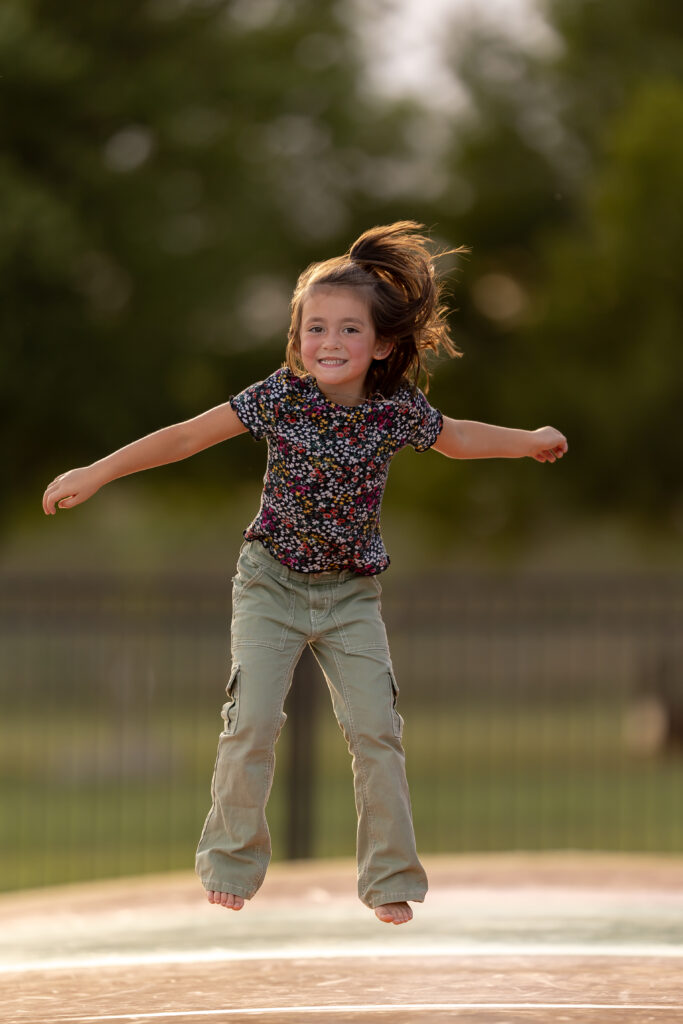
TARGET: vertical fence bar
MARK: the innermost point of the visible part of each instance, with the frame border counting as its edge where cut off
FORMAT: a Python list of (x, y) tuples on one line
[(301, 709)]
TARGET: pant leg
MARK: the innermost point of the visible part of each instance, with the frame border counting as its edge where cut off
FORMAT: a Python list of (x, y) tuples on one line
[(235, 849), (352, 651)]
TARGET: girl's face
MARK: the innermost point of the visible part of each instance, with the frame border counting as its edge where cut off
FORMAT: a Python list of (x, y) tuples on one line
[(338, 341)]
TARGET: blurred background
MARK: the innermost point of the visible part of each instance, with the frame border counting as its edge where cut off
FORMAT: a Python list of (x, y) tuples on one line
[(168, 167)]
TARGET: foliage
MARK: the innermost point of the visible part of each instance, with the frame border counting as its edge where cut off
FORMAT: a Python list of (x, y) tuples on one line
[(612, 313), (573, 164), (169, 167)]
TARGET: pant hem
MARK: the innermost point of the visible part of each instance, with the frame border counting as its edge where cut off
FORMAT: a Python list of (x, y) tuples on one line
[(236, 890), (395, 897)]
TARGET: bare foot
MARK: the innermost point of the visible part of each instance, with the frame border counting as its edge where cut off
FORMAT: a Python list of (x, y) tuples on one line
[(394, 913), (225, 899)]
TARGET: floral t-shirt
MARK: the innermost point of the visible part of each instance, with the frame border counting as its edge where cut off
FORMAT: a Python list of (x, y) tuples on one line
[(327, 469)]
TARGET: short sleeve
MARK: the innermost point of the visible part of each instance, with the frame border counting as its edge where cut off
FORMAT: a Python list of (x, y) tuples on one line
[(256, 406), (424, 422)]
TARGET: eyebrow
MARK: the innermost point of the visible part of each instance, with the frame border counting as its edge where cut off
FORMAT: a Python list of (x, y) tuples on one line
[(321, 319)]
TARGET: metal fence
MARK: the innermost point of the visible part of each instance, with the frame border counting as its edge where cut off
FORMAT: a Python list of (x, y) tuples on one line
[(542, 711)]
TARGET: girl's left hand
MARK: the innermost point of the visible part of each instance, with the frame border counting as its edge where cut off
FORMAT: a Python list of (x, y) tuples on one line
[(548, 444)]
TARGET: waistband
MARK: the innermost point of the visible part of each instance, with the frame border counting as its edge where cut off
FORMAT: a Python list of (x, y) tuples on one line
[(256, 552)]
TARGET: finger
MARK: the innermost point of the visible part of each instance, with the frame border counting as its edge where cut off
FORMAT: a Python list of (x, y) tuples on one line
[(54, 499), (49, 497), (49, 503)]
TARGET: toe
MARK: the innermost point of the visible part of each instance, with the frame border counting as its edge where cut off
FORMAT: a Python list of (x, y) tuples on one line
[(394, 913), (229, 900)]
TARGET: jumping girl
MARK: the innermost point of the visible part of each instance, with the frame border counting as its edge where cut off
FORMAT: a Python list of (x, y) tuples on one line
[(333, 416)]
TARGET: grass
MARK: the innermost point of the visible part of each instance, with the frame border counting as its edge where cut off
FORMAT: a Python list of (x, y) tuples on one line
[(85, 796)]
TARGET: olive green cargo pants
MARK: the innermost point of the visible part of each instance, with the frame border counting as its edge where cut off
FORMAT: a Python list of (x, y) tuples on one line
[(276, 612)]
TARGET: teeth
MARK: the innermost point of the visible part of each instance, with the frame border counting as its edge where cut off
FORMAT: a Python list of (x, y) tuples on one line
[(332, 362)]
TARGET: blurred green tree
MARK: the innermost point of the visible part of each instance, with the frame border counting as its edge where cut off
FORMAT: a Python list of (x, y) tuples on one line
[(168, 169), (610, 313), (566, 177)]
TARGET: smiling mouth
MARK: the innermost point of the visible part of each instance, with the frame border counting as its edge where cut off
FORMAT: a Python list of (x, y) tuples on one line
[(331, 362)]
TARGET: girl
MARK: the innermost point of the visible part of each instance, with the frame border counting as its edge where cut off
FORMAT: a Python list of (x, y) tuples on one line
[(334, 415)]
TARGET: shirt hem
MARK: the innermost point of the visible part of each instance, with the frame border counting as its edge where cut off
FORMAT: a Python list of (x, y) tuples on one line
[(312, 572)]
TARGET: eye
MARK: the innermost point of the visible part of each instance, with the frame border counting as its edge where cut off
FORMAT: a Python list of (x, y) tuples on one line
[(351, 330), (314, 329)]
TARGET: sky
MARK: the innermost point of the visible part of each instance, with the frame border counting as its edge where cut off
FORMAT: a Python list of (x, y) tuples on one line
[(404, 35)]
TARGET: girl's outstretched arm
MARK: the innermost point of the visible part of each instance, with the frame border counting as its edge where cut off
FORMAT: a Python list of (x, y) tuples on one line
[(467, 439), (171, 444)]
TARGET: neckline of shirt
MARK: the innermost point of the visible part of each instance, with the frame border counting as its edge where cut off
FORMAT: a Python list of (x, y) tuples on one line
[(376, 397)]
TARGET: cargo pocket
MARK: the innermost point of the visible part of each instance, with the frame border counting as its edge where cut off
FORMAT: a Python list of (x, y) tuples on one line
[(232, 705), (395, 716)]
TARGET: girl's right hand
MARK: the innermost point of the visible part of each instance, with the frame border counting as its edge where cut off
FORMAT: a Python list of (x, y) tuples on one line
[(70, 489)]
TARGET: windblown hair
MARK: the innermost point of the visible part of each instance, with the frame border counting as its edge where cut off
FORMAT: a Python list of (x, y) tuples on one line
[(394, 266)]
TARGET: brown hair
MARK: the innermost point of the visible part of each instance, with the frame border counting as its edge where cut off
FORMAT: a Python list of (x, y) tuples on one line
[(394, 265)]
